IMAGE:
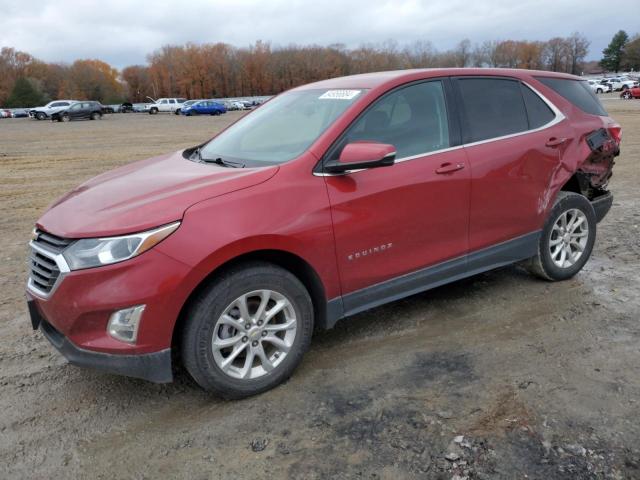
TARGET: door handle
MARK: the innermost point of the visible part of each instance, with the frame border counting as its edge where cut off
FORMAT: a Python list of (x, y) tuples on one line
[(554, 142), (449, 168)]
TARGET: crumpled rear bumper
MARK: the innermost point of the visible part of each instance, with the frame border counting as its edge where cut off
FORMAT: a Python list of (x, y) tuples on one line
[(602, 205)]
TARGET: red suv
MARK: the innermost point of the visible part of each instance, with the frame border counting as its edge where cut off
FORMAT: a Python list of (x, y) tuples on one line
[(330, 199)]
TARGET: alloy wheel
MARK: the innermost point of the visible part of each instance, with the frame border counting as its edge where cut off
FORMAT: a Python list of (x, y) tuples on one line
[(568, 238), (254, 334)]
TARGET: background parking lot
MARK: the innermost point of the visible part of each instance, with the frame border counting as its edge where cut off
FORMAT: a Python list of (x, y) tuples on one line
[(497, 376)]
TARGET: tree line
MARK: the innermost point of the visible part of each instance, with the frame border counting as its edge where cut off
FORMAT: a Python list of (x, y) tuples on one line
[(223, 70)]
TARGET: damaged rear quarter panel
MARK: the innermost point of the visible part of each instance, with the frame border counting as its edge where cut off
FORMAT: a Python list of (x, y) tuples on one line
[(591, 166)]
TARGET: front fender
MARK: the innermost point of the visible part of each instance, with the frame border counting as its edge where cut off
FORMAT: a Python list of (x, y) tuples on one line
[(288, 213)]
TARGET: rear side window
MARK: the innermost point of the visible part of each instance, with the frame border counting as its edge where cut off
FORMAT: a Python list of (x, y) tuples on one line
[(577, 92), (493, 106), (538, 111)]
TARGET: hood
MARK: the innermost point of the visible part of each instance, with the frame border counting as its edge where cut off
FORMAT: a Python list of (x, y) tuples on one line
[(143, 195)]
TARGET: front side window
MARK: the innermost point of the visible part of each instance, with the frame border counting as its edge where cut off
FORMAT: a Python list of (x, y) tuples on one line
[(76, 106), (413, 119), (281, 129), (493, 108)]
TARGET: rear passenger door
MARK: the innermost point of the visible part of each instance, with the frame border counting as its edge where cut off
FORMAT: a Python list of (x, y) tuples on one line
[(511, 137), (86, 110)]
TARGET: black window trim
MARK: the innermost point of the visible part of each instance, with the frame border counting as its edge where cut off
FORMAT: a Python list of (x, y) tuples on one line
[(452, 122), (455, 113)]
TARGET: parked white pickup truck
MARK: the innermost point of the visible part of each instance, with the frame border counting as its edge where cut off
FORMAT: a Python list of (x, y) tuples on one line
[(620, 83), (42, 113), (169, 105)]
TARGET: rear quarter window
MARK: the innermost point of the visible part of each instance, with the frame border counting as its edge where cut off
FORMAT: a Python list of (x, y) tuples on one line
[(538, 111), (577, 92)]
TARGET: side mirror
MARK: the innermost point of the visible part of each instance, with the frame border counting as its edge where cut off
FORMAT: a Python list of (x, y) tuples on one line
[(362, 155)]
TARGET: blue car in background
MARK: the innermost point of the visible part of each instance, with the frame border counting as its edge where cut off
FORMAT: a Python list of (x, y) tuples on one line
[(203, 107)]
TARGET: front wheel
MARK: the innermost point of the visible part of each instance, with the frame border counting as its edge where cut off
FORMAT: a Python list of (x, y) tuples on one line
[(627, 95), (247, 332), (153, 111), (566, 240), (64, 118), (41, 115), (96, 116)]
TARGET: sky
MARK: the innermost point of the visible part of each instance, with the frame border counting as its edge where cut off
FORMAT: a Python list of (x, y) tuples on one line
[(124, 32)]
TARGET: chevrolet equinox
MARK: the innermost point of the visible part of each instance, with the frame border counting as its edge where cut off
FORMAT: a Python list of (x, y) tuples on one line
[(330, 199)]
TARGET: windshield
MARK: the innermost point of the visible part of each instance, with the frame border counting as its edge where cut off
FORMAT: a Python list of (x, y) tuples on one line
[(281, 129)]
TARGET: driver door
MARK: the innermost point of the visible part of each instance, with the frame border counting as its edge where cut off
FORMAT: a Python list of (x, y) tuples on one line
[(391, 221)]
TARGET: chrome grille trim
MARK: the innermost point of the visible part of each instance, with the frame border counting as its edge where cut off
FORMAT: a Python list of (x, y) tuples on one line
[(46, 270)]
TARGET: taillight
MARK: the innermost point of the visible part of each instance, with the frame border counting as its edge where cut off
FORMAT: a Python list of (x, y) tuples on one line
[(615, 131)]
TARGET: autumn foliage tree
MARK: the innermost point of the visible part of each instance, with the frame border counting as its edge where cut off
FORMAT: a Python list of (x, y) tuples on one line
[(213, 70)]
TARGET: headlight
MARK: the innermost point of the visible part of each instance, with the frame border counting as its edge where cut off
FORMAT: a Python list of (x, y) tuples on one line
[(95, 252)]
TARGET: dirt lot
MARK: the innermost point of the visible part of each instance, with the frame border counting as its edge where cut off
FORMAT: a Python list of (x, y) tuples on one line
[(498, 376)]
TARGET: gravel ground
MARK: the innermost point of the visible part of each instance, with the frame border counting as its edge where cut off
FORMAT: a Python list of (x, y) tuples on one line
[(497, 376)]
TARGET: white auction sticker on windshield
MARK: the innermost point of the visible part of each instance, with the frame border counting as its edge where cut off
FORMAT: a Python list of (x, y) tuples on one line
[(339, 94)]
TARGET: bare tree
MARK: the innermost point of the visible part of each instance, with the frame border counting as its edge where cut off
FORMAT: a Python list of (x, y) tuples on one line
[(577, 49), (555, 54), (463, 53)]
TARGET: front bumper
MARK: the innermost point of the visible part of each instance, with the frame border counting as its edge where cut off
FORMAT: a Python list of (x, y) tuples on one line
[(81, 302), (154, 367)]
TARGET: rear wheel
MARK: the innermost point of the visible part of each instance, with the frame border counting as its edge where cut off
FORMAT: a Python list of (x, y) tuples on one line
[(248, 331), (567, 239)]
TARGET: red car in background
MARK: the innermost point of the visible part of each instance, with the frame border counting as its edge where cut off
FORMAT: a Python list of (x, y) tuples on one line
[(330, 199), (630, 93)]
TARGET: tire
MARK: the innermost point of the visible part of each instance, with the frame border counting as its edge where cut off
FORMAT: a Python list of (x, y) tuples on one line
[(627, 95), (153, 111), (215, 311), (41, 115), (96, 116), (599, 90), (64, 118), (545, 264), (177, 112)]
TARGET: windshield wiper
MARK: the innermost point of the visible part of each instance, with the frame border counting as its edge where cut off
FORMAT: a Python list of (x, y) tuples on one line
[(220, 161), (217, 160)]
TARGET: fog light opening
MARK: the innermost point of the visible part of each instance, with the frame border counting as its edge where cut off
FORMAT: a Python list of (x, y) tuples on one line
[(123, 324)]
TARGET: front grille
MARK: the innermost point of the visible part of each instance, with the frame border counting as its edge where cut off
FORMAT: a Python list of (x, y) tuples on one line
[(44, 269), (51, 242)]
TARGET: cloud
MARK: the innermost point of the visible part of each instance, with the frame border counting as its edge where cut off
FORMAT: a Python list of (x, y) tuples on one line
[(123, 32)]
